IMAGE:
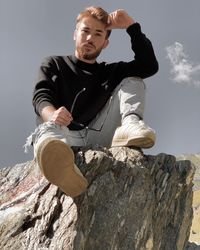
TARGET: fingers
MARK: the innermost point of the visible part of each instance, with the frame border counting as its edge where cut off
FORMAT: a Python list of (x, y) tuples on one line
[(119, 19), (62, 117), (111, 20)]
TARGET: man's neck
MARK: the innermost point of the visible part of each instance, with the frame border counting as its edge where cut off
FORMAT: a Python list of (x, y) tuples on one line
[(85, 60)]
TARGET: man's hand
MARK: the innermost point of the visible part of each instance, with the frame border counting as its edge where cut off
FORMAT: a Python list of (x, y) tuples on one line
[(119, 19), (60, 116)]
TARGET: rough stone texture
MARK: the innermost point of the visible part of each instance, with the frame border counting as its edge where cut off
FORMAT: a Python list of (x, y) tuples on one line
[(133, 202), (194, 239)]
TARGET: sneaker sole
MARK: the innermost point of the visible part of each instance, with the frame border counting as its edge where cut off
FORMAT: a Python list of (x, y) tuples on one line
[(140, 142), (57, 164)]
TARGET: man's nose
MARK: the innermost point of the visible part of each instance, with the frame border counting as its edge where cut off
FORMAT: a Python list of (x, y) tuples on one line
[(89, 37)]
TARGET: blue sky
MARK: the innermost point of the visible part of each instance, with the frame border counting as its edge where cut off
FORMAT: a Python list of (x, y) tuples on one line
[(31, 30)]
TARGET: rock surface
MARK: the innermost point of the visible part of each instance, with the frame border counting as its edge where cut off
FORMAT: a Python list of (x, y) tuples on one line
[(133, 201), (195, 228)]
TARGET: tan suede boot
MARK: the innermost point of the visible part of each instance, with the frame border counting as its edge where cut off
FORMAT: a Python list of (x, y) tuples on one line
[(56, 161), (136, 134)]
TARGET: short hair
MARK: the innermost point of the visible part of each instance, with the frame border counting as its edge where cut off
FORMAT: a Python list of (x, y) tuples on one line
[(97, 13)]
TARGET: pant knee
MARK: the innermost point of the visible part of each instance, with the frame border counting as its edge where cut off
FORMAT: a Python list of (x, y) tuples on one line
[(135, 83)]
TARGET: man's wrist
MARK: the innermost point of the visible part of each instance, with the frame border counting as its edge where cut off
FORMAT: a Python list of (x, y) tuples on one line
[(47, 112), (134, 29), (130, 24), (43, 105)]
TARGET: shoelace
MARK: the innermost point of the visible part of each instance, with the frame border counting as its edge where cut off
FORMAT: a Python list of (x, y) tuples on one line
[(39, 131)]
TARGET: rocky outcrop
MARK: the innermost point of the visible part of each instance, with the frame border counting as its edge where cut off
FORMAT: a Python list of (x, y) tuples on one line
[(133, 202), (195, 228)]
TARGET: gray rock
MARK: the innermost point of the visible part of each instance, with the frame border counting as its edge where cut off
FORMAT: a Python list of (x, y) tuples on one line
[(194, 239), (133, 201)]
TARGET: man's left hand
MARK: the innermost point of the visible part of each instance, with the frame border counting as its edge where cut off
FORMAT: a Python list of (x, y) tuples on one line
[(119, 19)]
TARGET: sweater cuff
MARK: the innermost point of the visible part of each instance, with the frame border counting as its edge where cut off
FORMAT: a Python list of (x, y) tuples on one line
[(134, 29)]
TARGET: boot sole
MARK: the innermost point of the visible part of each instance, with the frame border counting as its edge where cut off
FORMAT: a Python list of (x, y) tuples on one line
[(57, 164), (140, 142)]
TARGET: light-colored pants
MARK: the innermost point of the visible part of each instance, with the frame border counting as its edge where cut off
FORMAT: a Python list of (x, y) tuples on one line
[(127, 100)]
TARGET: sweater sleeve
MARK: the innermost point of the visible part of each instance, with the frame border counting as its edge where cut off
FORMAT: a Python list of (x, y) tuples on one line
[(144, 63), (45, 91)]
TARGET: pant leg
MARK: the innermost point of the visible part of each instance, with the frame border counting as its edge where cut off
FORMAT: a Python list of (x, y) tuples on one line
[(132, 97), (70, 137), (126, 102), (51, 130)]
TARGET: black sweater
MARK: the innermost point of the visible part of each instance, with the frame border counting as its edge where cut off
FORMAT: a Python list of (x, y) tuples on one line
[(85, 88)]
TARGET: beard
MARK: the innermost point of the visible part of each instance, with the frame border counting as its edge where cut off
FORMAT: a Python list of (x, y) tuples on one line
[(82, 53)]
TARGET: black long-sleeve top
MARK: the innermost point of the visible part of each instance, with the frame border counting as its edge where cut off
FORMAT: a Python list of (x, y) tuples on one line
[(84, 88)]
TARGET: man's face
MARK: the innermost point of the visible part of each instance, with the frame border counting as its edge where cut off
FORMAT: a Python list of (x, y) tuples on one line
[(90, 39)]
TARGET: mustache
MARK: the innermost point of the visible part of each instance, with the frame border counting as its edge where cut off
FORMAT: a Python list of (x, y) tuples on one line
[(90, 44)]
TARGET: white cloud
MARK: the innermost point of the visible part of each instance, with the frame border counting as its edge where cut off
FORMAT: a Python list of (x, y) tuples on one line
[(183, 70)]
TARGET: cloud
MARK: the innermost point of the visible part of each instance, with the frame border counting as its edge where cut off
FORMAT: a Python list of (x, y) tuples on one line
[(183, 70)]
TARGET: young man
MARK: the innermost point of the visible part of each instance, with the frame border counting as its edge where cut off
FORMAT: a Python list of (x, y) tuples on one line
[(82, 102)]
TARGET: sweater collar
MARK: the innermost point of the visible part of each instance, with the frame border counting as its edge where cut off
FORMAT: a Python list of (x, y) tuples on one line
[(83, 65)]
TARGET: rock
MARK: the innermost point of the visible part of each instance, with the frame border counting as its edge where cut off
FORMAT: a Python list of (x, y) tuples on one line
[(133, 201), (194, 239)]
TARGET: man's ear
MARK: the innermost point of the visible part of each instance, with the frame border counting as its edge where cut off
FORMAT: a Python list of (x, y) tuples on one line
[(75, 34), (106, 42)]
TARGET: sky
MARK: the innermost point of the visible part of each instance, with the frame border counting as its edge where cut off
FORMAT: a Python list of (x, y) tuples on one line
[(32, 30)]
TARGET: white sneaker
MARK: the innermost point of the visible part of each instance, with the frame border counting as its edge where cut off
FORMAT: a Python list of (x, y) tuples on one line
[(135, 134), (56, 161)]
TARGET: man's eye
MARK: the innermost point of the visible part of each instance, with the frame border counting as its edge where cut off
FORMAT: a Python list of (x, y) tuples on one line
[(85, 31), (98, 34)]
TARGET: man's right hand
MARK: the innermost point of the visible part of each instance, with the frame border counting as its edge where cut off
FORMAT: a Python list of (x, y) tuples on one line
[(59, 116)]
